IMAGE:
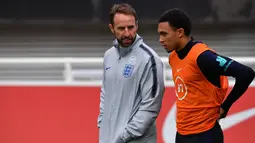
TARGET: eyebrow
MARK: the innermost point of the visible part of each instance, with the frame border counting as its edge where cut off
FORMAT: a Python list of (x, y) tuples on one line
[(129, 26), (162, 32)]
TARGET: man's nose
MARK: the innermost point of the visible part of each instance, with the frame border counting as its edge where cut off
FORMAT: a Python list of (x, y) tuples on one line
[(160, 40), (126, 32)]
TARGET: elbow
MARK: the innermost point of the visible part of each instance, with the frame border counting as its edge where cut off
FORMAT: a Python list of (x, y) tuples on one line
[(245, 77), (248, 75), (251, 74)]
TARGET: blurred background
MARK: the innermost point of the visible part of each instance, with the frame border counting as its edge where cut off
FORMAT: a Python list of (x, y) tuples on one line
[(47, 43), (79, 28)]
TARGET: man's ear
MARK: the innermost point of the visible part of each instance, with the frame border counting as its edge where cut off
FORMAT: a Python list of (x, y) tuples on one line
[(137, 25), (111, 28), (180, 32)]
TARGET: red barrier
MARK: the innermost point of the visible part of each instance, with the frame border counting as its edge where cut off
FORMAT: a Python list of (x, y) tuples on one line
[(69, 115)]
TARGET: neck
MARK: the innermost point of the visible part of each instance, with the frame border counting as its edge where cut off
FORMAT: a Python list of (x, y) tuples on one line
[(184, 41)]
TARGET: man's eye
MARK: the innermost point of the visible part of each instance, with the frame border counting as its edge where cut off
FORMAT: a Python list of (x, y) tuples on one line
[(121, 28), (130, 27)]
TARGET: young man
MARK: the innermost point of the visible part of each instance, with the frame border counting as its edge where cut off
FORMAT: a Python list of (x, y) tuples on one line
[(200, 77), (133, 84)]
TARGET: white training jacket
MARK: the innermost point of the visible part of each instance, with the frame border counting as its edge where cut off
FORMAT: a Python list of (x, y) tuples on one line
[(131, 94)]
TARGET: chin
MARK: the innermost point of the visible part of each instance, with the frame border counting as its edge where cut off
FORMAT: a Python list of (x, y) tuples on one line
[(126, 45), (168, 50)]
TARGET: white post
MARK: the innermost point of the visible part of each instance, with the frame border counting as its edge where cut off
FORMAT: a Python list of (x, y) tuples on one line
[(165, 62), (68, 72)]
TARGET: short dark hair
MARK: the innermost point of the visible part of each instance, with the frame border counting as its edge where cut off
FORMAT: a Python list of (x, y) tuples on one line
[(122, 8), (177, 18)]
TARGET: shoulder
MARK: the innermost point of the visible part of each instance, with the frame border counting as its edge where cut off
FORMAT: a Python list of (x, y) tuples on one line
[(212, 59), (208, 56), (108, 52), (148, 53), (198, 48)]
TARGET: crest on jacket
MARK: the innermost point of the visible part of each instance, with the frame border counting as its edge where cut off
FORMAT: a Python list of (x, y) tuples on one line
[(128, 69)]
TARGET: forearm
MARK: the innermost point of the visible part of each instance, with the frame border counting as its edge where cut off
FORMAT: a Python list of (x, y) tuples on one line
[(141, 122), (241, 85), (101, 106)]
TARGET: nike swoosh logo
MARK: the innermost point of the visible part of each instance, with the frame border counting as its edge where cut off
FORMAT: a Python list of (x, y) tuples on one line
[(107, 68), (179, 69), (169, 126)]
